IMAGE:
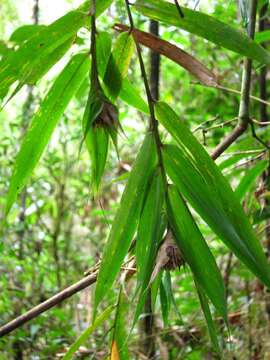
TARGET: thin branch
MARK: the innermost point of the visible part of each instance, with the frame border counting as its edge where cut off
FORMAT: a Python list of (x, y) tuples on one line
[(48, 304), (94, 69), (237, 131), (153, 122), (179, 9), (235, 91), (243, 115)]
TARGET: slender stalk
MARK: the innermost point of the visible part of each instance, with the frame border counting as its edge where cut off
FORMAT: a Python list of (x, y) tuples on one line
[(179, 8), (243, 114), (153, 123), (149, 319), (94, 69)]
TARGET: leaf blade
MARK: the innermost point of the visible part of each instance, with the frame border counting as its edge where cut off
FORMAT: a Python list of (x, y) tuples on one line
[(126, 218), (87, 332), (201, 182), (44, 122), (195, 250), (204, 26)]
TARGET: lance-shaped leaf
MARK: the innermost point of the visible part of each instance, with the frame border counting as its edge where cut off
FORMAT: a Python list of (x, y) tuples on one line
[(150, 230), (104, 45), (199, 179), (205, 26), (118, 65), (249, 178), (126, 219), (147, 240), (97, 141), (29, 62), (119, 339), (195, 250), (87, 332), (208, 317), (99, 122), (44, 123), (130, 95), (188, 62), (262, 36), (46, 47), (25, 32)]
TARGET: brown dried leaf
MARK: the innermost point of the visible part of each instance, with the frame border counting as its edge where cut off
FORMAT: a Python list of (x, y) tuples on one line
[(192, 65)]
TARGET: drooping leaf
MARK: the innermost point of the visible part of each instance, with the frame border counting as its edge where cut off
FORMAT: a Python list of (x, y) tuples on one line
[(261, 215), (188, 62), (205, 26), (130, 95), (126, 218), (199, 179), (25, 32), (44, 123), (150, 231), (119, 341), (231, 161), (262, 36), (118, 65), (87, 332), (164, 302), (208, 317), (249, 178), (147, 240), (103, 45), (99, 122), (97, 141), (46, 47), (29, 62), (195, 250)]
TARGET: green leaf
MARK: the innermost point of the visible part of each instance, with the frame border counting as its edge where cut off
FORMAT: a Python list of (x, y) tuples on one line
[(195, 250), (208, 317), (97, 141), (87, 332), (150, 231), (249, 178), (199, 179), (164, 302), (104, 45), (25, 32), (44, 123), (30, 61), (118, 65), (119, 332), (126, 219), (204, 26), (261, 215), (262, 36), (231, 161), (130, 95), (46, 47), (101, 6)]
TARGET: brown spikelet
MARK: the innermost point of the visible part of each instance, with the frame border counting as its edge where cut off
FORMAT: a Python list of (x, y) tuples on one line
[(169, 256)]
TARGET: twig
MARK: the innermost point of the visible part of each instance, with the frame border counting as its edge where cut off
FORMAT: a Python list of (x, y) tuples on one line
[(237, 131), (243, 115), (179, 9), (235, 91), (262, 123), (48, 304)]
